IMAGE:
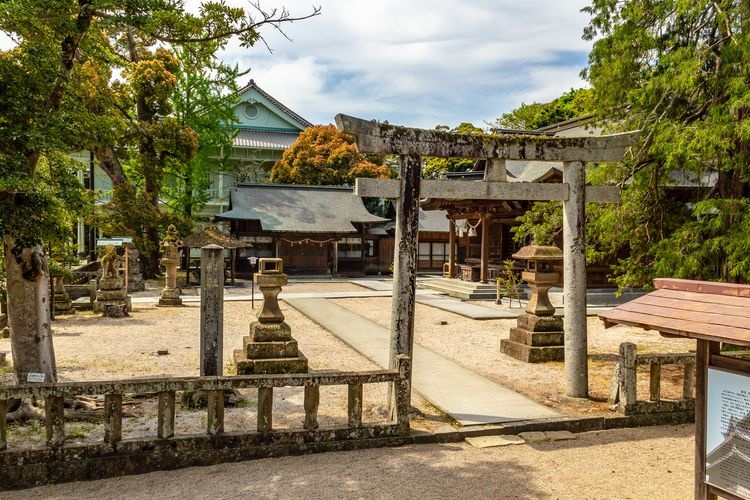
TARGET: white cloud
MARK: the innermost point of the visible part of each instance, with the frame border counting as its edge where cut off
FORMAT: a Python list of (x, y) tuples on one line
[(415, 62), (6, 42), (546, 84), (422, 63)]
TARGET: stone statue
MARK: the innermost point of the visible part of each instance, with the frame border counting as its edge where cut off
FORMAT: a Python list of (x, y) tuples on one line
[(111, 298), (110, 263)]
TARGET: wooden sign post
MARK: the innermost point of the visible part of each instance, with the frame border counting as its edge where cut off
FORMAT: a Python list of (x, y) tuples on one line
[(712, 313), (412, 144)]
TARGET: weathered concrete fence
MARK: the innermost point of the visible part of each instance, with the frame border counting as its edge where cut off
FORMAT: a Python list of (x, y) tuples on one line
[(625, 382), (60, 462)]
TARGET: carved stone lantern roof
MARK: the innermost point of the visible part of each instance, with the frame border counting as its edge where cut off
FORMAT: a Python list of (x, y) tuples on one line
[(539, 253), (540, 275)]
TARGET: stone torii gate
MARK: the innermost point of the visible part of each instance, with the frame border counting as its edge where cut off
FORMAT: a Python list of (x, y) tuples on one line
[(412, 144)]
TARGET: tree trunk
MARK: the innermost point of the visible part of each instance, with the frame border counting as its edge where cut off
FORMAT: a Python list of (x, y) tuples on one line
[(27, 279), (110, 164), (188, 208), (153, 258)]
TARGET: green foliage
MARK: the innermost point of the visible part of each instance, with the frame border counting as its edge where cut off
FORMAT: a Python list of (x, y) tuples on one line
[(508, 283), (714, 244), (322, 155), (434, 168), (57, 95), (203, 100), (677, 71), (542, 223), (46, 205), (572, 104)]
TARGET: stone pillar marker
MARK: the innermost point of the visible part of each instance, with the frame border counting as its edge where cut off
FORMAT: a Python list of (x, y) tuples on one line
[(538, 334), (405, 267), (212, 310), (270, 347), (170, 295), (111, 298), (135, 275)]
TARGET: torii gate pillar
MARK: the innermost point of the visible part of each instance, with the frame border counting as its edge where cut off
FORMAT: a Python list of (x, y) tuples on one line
[(574, 281)]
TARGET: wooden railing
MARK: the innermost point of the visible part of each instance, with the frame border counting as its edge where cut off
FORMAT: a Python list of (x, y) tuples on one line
[(625, 381), (264, 436)]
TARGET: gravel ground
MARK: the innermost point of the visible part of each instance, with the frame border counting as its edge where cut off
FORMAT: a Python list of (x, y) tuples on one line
[(651, 462), (632, 463)]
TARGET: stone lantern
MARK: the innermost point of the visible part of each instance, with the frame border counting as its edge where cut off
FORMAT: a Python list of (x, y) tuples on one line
[(270, 347), (540, 276), (538, 334), (170, 295)]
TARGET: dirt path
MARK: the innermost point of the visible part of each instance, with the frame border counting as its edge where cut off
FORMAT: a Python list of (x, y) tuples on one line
[(629, 463)]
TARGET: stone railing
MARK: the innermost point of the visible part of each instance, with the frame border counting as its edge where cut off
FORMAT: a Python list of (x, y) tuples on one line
[(58, 461), (625, 382)]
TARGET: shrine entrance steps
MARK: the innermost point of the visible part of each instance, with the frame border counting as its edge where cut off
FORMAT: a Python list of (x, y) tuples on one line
[(465, 396), (465, 290)]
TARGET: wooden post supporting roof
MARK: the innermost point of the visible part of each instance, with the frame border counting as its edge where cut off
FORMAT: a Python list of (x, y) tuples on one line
[(380, 138)]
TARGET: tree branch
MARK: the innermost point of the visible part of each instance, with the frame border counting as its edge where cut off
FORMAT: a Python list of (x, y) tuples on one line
[(267, 19)]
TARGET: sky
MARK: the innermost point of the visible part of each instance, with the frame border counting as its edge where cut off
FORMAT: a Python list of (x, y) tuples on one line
[(420, 63), (417, 63)]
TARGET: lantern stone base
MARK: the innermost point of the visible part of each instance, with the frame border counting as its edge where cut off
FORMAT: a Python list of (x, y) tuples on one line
[(112, 303), (170, 302), (63, 304), (535, 339), (267, 366), (269, 348), (170, 297)]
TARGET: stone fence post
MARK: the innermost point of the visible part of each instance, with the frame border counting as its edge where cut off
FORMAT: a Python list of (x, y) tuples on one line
[(628, 367), (212, 310)]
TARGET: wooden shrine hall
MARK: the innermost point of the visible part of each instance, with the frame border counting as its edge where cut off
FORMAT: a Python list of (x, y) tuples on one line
[(480, 237)]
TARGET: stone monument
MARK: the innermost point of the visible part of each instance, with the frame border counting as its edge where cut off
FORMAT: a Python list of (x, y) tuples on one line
[(170, 295), (112, 299), (62, 302), (270, 347), (136, 283), (538, 334)]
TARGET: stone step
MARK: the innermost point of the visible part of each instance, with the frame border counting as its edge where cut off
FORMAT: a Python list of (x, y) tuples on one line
[(467, 295), (270, 349), (455, 283), (462, 289), (532, 354), (536, 339)]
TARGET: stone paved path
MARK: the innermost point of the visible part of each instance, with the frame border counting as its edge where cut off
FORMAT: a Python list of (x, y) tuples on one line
[(467, 397)]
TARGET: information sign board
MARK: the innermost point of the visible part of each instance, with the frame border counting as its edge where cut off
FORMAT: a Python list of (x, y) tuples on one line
[(728, 432)]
